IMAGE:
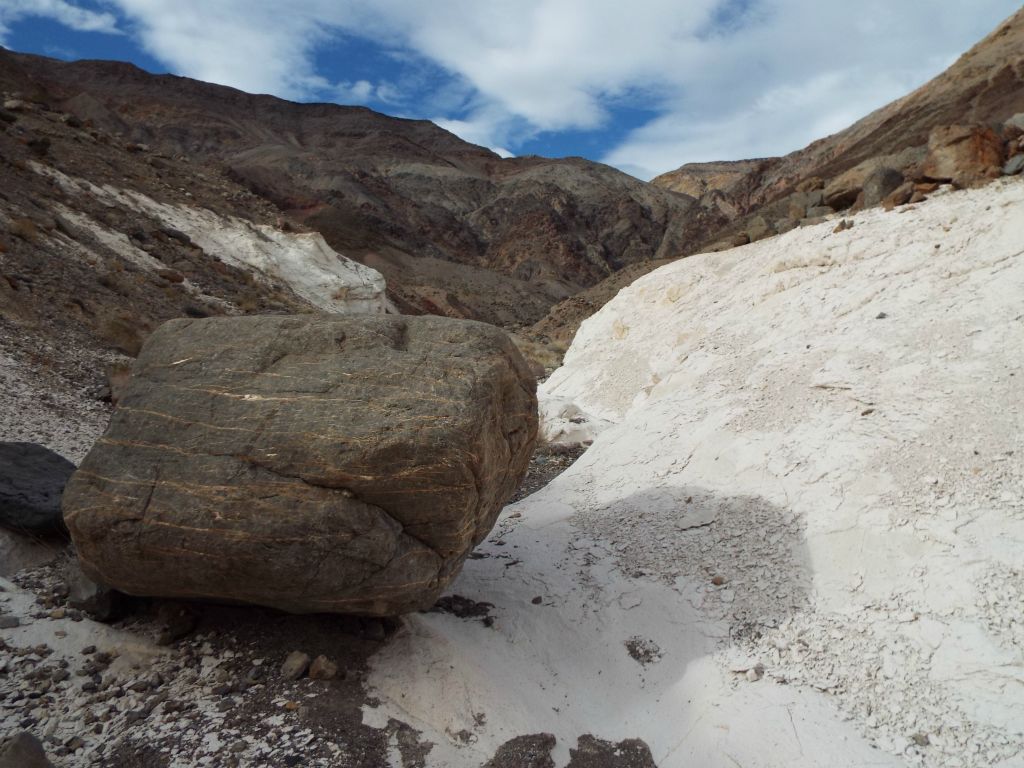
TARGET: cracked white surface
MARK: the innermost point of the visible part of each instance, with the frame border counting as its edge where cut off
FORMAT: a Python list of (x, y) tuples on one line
[(812, 459)]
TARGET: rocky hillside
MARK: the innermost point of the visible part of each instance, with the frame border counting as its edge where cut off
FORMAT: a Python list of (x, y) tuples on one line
[(455, 229), (730, 186), (985, 85), (101, 240)]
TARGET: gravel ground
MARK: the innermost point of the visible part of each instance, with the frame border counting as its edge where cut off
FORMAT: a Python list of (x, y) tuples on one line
[(114, 697), (52, 396)]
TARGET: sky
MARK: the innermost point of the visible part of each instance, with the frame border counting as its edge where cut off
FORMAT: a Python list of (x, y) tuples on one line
[(643, 85)]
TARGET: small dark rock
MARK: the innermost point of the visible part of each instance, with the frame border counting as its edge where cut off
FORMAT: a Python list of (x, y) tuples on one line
[(84, 594), (1014, 165), (528, 751), (178, 235), (136, 715), (295, 665), (40, 146), (323, 668), (178, 619), (171, 275), (591, 752)]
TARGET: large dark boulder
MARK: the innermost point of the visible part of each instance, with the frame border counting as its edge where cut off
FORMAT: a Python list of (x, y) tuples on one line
[(23, 750), (32, 479), (310, 463)]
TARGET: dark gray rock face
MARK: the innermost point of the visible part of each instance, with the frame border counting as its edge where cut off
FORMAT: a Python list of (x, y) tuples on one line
[(307, 463), (32, 479)]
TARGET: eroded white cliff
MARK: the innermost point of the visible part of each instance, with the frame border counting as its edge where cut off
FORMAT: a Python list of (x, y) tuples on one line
[(806, 492)]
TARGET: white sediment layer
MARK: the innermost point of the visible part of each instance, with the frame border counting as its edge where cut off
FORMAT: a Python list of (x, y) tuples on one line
[(302, 261), (806, 492)]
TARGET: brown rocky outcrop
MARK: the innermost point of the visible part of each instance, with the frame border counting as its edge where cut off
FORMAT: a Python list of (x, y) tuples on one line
[(965, 155), (731, 178), (335, 464)]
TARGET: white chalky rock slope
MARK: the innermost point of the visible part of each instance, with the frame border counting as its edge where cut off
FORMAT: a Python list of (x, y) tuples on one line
[(812, 464), (303, 261)]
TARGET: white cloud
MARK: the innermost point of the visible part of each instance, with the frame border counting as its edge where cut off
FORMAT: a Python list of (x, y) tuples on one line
[(806, 71), (491, 126), (81, 19), (365, 92), (726, 78), (255, 45)]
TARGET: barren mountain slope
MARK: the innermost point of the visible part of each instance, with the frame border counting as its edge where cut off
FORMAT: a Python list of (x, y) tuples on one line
[(401, 195), (100, 241)]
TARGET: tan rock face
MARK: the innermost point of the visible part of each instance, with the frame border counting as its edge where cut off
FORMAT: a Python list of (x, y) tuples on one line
[(697, 179), (963, 154), (310, 464)]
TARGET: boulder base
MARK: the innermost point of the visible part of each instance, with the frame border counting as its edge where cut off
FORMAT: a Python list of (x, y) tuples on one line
[(322, 463)]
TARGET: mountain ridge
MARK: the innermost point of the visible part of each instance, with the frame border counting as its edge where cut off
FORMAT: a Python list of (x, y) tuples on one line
[(387, 190)]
